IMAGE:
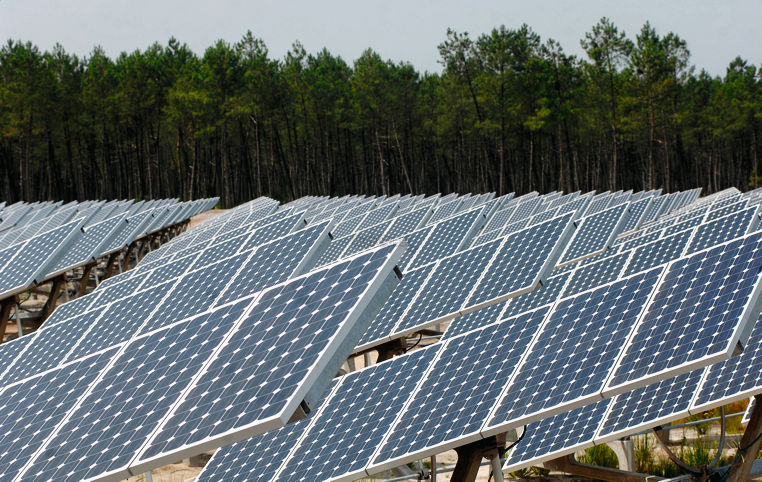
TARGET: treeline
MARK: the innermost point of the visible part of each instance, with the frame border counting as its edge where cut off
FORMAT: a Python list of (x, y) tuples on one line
[(509, 112)]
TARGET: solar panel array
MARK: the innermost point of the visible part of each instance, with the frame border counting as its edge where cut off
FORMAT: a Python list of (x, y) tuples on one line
[(40, 241), (564, 313)]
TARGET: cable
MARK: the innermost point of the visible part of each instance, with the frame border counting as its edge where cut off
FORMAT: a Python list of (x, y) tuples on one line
[(502, 453), (420, 337)]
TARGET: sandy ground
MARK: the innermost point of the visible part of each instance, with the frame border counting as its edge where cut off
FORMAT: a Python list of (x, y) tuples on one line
[(200, 218)]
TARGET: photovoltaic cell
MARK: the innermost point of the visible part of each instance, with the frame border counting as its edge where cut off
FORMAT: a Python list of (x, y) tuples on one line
[(406, 223), (701, 310), (523, 260), (448, 237), (352, 423), (565, 367), (460, 389), (32, 409), (734, 379), (393, 310), (257, 457), (274, 262), (121, 320), (557, 436), (595, 233), (127, 404), (658, 252), (50, 346), (724, 229), (596, 274), (290, 337), (476, 319)]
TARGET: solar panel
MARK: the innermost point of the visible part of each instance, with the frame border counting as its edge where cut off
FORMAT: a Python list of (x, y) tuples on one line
[(658, 252), (595, 233), (734, 379), (564, 368), (130, 399), (702, 309), (556, 436), (448, 237), (297, 335), (724, 229), (460, 388), (597, 273), (256, 457), (31, 261), (33, 408), (345, 433), (407, 223)]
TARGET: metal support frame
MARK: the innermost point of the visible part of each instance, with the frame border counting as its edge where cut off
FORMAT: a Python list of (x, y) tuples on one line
[(470, 457), (569, 465)]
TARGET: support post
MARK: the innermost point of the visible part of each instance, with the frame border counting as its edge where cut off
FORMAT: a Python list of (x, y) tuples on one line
[(433, 468), (19, 326), (113, 259), (747, 449), (625, 454), (570, 466), (5, 313), (56, 286), (470, 457), (82, 287)]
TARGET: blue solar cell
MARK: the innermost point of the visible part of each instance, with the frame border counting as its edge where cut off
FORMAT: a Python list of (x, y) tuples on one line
[(499, 219), (413, 241), (724, 229), (639, 240), (50, 346), (566, 367), (684, 225), (524, 260), (274, 262), (347, 226), (121, 320), (476, 319), (658, 252), (734, 379), (365, 239), (638, 211), (447, 288), (448, 237), (407, 223), (699, 313), (88, 245), (169, 271), (333, 251), (549, 293), (194, 293), (346, 432), (595, 233), (32, 409), (460, 389), (116, 291), (258, 457), (486, 237), (650, 406), (131, 399), (394, 308), (596, 274), (291, 338), (445, 210), (557, 436)]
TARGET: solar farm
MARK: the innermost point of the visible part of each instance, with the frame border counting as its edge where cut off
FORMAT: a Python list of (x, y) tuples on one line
[(341, 338)]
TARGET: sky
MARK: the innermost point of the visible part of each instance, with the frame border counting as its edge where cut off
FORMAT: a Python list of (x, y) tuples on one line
[(400, 30)]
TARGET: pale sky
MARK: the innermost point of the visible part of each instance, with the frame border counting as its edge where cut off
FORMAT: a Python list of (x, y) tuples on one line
[(407, 30)]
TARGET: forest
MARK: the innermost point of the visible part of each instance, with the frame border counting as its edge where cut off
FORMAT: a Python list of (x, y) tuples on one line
[(508, 112)]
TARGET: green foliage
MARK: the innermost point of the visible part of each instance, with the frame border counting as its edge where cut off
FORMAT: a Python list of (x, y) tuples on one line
[(600, 455), (510, 111)]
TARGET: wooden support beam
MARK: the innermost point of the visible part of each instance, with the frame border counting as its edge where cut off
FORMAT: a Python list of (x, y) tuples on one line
[(82, 286), (470, 457), (128, 256), (747, 449), (570, 466), (56, 285), (111, 265), (144, 247), (6, 306)]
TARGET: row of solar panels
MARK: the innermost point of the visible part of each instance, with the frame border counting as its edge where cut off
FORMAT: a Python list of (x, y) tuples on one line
[(445, 395), (40, 241), (224, 332)]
